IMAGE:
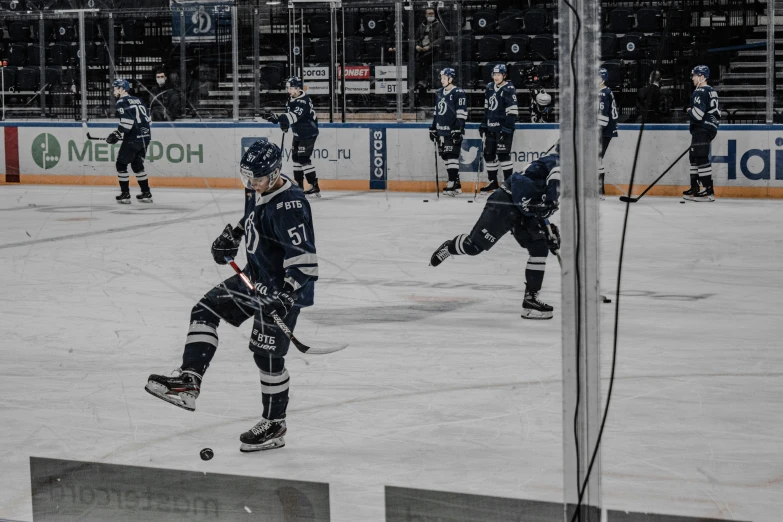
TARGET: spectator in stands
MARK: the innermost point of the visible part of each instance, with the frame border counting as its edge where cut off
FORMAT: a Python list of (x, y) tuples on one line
[(650, 97), (164, 99), (429, 37)]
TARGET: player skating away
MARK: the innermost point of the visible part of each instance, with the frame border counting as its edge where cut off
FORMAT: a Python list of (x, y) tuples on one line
[(521, 206), (300, 117), (607, 121), (497, 129), (280, 247), (448, 127), (134, 131), (705, 119)]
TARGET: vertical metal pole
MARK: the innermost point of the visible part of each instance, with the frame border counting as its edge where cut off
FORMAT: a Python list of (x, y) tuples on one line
[(398, 56), (460, 66), (291, 60), (333, 61), (301, 39), (411, 60), (183, 83), (112, 70), (579, 34), (771, 10), (42, 58), (342, 58), (235, 59), (256, 64), (83, 65)]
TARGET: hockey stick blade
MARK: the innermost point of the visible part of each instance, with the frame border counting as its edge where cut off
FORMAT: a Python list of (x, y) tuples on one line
[(626, 199), (302, 347), (94, 138)]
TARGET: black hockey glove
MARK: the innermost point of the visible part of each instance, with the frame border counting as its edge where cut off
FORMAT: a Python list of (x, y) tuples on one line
[(433, 135), (284, 126), (271, 117), (114, 137), (544, 210), (278, 302), (553, 238), (227, 244), (686, 110), (456, 135)]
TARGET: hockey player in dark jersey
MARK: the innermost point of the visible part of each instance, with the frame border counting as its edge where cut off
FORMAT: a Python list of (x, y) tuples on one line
[(705, 119), (300, 117), (134, 132), (281, 261), (521, 206), (607, 121), (448, 127), (497, 129)]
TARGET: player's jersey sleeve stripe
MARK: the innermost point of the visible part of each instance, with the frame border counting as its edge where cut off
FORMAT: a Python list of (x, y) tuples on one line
[(304, 259), (462, 114), (697, 113), (293, 282), (553, 175), (126, 120), (513, 109), (291, 117), (311, 271)]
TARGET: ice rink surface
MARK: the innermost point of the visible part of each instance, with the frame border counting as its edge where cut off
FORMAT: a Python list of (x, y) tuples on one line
[(443, 385)]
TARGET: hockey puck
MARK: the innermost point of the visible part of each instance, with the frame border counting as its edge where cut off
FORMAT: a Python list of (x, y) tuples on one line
[(426, 200), (207, 454), (605, 299), (682, 202), (470, 201)]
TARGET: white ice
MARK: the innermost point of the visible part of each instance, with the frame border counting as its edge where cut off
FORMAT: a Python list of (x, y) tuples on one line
[(443, 386)]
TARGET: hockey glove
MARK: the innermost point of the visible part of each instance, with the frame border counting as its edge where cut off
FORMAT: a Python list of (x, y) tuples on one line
[(456, 135), (114, 137), (544, 210), (278, 302), (284, 126), (270, 117), (553, 239), (686, 110), (227, 244), (433, 135)]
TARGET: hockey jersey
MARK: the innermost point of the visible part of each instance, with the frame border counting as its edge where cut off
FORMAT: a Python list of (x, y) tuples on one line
[(501, 108), (134, 119), (280, 241), (451, 111), (607, 115), (539, 182), (705, 112), (301, 117)]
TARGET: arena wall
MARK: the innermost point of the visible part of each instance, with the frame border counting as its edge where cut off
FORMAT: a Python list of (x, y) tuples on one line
[(747, 159)]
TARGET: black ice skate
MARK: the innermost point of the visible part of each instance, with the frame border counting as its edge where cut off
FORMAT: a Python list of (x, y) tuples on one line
[(490, 187), (314, 190), (124, 198), (181, 390), (144, 197), (690, 193), (265, 435), (441, 254), (532, 308), (708, 194), (452, 188)]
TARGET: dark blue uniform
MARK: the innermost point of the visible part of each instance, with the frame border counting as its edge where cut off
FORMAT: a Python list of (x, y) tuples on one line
[(607, 121), (705, 119), (301, 117), (451, 111), (501, 114), (135, 129)]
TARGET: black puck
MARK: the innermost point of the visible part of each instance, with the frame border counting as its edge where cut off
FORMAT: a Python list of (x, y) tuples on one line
[(426, 200), (207, 454), (470, 201), (682, 202)]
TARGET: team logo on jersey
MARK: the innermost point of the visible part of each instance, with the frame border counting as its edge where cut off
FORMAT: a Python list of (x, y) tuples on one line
[(442, 107), (493, 103), (46, 151)]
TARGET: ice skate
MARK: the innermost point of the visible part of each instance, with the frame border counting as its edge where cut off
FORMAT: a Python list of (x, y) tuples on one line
[(265, 435), (532, 308), (181, 390), (452, 188), (124, 198), (689, 194), (314, 191), (704, 196), (490, 187), (441, 254), (144, 197)]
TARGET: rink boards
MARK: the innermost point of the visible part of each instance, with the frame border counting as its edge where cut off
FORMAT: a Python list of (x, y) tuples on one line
[(747, 159)]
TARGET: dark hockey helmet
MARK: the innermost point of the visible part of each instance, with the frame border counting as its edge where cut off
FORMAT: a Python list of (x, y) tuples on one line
[(261, 159), (449, 72), (701, 70), (604, 74), (294, 81), (121, 83), (500, 69)]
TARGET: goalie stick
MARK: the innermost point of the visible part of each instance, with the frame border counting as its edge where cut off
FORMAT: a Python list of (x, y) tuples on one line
[(302, 347)]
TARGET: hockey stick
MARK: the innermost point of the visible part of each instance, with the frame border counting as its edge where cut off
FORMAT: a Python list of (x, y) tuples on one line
[(302, 347), (437, 180), (95, 138), (629, 199), (480, 169)]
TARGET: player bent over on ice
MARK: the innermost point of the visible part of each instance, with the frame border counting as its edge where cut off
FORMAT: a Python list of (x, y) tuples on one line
[(281, 261), (521, 206)]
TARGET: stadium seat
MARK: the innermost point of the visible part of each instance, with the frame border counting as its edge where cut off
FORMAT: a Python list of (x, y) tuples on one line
[(129, 32), (518, 73), (375, 49), (486, 72), (616, 73), (271, 75), (490, 47), (608, 46), (621, 20), (98, 53), (468, 75), (374, 24), (467, 48), (678, 20), (34, 54), (510, 21), (320, 25), (547, 73), (516, 47), (352, 23), (553, 20), (321, 50), (649, 20), (64, 31), (542, 47), (19, 31), (59, 54), (9, 77), (631, 46), (52, 75), (17, 54), (354, 47), (27, 78), (484, 21), (535, 21)]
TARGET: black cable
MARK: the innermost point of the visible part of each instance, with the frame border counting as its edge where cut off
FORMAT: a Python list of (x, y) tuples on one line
[(658, 60)]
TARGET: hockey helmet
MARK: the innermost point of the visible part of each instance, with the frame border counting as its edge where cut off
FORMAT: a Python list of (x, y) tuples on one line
[(122, 84), (261, 159), (604, 74), (449, 72), (701, 70), (543, 99), (500, 68), (294, 81)]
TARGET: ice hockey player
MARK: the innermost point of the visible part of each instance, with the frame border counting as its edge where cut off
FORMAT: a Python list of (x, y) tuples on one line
[(134, 132), (497, 129), (607, 121), (522, 206), (280, 247), (300, 117), (705, 119), (448, 127)]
